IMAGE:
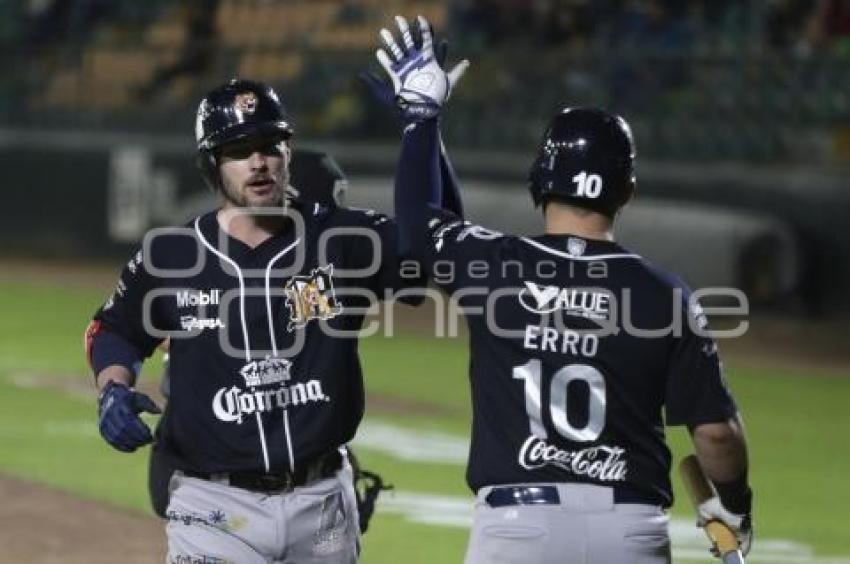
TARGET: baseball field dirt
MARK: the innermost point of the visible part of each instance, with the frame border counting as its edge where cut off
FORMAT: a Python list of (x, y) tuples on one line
[(41, 525)]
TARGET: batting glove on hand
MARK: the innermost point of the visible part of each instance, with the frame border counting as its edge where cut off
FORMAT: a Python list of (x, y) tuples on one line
[(383, 90), (118, 414), (712, 510), (420, 84)]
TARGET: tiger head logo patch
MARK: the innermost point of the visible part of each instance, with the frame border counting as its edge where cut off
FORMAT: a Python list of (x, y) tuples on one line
[(311, 297), (245, 103)]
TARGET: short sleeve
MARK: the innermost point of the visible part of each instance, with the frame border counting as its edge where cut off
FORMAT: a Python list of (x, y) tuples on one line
[(378, 247), (124, 314), (459, 252), (696, 390)]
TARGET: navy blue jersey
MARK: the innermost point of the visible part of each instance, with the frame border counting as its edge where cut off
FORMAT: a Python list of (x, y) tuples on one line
[(263, 342), (579, 351)]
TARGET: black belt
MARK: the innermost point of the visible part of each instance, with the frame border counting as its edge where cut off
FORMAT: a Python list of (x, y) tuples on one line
[(523, 495), (323, 466), (501, 496)]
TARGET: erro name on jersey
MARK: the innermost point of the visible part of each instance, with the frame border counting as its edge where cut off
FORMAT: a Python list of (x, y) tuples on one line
[(564, 341)]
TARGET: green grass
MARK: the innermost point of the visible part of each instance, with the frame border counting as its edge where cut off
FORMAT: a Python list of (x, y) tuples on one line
[(797, 424), (41, 327), (392, 540), (429, 370), (51, 437)]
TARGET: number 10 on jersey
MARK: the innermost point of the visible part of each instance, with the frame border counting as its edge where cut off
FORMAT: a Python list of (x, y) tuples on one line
[(559, 388)]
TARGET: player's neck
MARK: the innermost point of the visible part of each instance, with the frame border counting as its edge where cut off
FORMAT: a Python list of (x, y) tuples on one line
[(250, 229), (563, 219)]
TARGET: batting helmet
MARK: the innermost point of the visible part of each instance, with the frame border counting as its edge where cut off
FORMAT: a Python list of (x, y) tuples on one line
[(236, 110), (586, 159)]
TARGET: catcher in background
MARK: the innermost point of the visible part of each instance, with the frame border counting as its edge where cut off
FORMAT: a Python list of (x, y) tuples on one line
[(317, 178)]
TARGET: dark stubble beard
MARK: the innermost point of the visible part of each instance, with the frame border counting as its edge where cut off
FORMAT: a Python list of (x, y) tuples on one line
[(239, 200)]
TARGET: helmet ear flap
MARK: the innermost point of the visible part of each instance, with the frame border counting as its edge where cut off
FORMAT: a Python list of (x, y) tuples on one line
[(630, 192), (206, 162), (626, 195)]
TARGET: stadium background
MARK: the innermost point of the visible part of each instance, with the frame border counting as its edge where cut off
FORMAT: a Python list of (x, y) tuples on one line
[(741, 111)]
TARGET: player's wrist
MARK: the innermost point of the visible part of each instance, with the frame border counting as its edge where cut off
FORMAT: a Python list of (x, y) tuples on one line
[(418, 114), (736, 496), (112, 376)]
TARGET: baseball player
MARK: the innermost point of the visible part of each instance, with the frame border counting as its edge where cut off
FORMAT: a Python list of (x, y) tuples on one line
[(261, 300), (318, 179), (577, 345)]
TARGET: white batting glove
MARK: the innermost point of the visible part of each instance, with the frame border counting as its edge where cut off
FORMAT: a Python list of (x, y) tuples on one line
[(712, 510), (420, 84)]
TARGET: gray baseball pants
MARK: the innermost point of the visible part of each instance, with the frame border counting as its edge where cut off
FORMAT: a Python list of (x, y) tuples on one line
[(587, 527), (214, 523)]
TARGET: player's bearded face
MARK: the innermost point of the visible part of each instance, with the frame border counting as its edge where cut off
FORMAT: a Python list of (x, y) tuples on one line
[(255, 172)]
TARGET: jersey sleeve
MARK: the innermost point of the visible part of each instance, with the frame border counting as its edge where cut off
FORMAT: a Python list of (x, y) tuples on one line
[(123, 313), (459, 253), (696, 390), (377, 252)]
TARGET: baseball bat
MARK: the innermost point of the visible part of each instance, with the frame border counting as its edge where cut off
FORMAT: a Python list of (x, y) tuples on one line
[(700, 489)]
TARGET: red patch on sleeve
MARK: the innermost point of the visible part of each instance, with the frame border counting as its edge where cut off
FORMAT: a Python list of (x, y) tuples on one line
[(92, 330)]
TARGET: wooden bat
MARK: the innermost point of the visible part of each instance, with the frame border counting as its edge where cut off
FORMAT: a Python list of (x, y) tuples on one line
[(700, 489)]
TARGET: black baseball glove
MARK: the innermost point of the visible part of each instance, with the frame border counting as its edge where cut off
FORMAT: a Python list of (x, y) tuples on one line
[(367, 487)]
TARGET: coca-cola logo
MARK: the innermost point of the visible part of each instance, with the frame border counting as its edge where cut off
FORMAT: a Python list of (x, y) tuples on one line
[(602, 462)]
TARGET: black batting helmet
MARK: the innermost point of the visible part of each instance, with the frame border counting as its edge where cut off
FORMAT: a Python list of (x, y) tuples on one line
[(586, 159), (236, 110)]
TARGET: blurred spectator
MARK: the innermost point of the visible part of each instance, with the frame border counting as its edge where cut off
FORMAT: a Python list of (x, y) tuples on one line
[(63, 22), (57, 21), (659, 26), (728, 26), (199, 19), (649, 43), (12, 17), (483, 23), (567, 23), (353, 12), (784, 22), (828, 27)]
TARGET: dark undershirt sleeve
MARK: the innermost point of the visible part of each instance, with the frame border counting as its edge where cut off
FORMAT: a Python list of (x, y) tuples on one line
[(418, 187)]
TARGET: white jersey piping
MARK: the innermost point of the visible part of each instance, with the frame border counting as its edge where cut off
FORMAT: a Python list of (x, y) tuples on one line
[(564, 255), (246, 339), (289, 450)]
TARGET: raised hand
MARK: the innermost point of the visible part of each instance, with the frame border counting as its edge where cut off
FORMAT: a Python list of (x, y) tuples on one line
[(419, 83)]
